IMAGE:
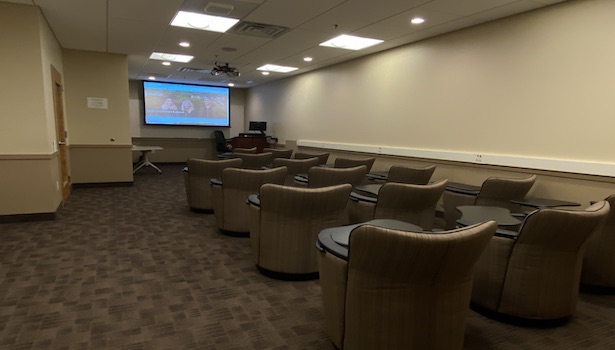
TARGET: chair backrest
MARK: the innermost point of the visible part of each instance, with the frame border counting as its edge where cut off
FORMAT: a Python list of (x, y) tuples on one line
[(254, 161), (352, 162), (599, 258), (200, 171), (295, 166), (322, 157), (290, 220), (323, 177), (230, 207), (498, 191), (279, 152), (407, 175), (420, 291), (546, 259), (415, 204), (250, 180), (240, 150)]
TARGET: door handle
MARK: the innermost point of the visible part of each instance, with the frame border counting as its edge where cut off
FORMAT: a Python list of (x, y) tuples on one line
[(61, 143)]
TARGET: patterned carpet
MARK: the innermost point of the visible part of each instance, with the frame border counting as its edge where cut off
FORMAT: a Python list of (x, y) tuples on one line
[(134, 268)]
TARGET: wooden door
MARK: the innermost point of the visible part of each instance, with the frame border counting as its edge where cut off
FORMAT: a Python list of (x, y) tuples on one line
[(61, 133)]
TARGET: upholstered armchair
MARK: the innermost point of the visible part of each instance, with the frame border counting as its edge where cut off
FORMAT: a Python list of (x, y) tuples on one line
[(599, 259), (408, 175), (322, 157), (196, 180), (279, 152), (322, 176), (295, 166), (284, 223), (230, 194), (352, 162), (400, 289), (415, 204), (254, 161), (534, 274), (495, 191)]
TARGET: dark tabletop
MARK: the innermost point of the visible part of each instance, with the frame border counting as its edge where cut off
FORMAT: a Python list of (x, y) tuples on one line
[(462, 188), (335, 239), (541, 203), (474, 214)]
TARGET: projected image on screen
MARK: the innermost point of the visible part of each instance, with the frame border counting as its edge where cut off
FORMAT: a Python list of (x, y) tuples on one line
[(185, 104)]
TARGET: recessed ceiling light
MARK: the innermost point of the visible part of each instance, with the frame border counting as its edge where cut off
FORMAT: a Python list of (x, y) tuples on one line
[(307, 59), (171, 57), (276, 68), (417, 20), (350, 42), (203, 22), (151, 77), (166, 63), (265, 73), (184, 44), (231, 84)]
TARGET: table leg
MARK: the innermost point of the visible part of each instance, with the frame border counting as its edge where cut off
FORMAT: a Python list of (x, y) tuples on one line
[(145, 162)]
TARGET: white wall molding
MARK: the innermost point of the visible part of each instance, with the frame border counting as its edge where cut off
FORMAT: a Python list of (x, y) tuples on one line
[(561, 165)]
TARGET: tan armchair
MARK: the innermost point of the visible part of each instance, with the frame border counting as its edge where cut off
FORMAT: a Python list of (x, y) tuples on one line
[(352, 162), (415, 204), (322, 157), (230, 195), (254, 161), (284, 226), (400, 289), (599, 260), (495, 191), (407, 175), (534, 275), (323, 177), (196, 180), (295, 166)]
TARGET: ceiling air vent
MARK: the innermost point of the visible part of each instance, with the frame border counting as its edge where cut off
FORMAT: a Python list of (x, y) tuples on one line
[(194, 70), (258, 29)]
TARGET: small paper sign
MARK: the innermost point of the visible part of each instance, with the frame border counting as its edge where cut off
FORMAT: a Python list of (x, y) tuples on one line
[(98, 102)]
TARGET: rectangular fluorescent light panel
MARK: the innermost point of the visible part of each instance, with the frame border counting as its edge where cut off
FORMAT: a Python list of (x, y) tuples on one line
[(171, 57), (276, 68), (203, 22), (350, 42)]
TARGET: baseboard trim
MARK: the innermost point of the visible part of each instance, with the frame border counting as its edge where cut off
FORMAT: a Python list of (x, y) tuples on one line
[(15, 218), (103, 184)]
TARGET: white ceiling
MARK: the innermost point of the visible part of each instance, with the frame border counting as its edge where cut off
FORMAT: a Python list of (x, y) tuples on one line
[(139, 27)]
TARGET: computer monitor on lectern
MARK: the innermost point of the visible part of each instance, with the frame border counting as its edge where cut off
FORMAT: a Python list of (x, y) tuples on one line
[(258, 126)]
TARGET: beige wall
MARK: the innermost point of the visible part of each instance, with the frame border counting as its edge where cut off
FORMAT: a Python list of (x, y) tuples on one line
[(531, 87), (28, 159), (99, 139), (538, 84)]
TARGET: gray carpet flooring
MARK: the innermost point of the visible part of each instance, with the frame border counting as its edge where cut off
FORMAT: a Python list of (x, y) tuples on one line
[(134, 268)]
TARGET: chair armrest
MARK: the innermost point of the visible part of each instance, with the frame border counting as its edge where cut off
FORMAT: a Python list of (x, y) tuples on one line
[(215, 182), (359, 197)]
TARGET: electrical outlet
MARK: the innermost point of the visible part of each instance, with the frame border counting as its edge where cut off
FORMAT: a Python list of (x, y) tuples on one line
[(478, 158)]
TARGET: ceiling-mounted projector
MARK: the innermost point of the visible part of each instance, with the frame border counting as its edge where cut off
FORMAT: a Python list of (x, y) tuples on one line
[(224, 69)]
